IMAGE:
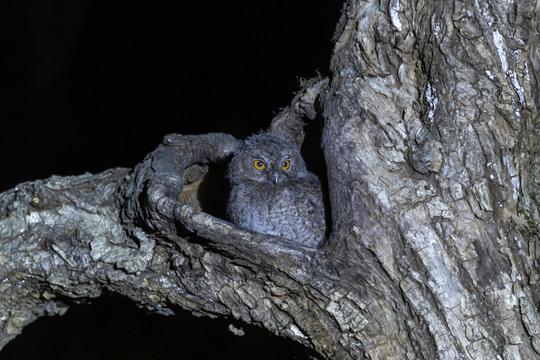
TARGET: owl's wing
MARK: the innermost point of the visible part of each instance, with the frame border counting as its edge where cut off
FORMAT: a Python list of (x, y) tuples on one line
[(309, 225)]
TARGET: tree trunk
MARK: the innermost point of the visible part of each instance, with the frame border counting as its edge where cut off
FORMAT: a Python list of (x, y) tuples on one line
[(431, 141)]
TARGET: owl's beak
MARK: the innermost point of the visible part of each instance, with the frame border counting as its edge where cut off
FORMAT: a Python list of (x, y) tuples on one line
[(275, 179)]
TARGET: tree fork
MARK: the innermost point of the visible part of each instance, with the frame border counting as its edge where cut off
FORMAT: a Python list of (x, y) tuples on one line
[(119, 231)]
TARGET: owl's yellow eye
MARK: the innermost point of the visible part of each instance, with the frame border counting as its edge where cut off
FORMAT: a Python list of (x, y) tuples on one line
[(286, 164), (259, 164)]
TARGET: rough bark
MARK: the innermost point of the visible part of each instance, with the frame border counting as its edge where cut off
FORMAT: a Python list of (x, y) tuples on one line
[(434, 104), (431, 141)]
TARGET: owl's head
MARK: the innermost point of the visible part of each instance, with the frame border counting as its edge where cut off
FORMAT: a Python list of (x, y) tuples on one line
[(266, 158)]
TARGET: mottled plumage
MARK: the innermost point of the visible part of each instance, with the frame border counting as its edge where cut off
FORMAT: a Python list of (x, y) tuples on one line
[(272, 191)]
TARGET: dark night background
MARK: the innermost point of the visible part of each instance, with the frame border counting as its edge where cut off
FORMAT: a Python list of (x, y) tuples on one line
[(90, 85)]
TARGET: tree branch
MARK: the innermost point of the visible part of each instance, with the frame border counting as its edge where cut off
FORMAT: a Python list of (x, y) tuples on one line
[(128, 232)]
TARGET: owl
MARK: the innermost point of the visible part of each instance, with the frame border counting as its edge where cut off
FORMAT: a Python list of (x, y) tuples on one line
[(273, 193)]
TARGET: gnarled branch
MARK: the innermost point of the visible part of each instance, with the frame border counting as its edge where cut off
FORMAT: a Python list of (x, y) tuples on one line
[(143, 234)]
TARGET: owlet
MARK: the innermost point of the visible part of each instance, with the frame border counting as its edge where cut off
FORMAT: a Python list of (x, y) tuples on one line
[(272, 191)]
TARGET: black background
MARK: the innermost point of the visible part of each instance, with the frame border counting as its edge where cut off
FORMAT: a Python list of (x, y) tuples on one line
[(90, 85)]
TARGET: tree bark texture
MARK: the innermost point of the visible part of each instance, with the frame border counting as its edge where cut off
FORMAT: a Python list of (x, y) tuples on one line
[(431, 142)]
